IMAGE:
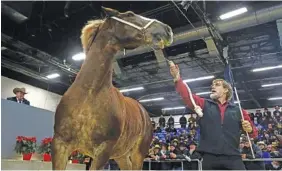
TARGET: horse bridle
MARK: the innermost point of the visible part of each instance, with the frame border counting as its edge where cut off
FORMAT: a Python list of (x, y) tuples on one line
[(141, 29)]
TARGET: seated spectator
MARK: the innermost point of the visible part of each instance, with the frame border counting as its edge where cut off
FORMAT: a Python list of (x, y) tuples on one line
[(19, 98), (183, 121), (162, 122), (275, 165), (247, 154), (164, 156), (173, 155), (277, 113), (266, 113)]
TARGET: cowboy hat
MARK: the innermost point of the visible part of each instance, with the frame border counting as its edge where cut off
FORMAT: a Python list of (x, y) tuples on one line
[(261, 143), (15, 90)]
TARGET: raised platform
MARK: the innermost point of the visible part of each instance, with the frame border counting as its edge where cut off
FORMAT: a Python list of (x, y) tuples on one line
[(7, 164)]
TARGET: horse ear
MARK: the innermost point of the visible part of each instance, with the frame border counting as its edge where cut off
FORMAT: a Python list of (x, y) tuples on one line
[(110, 12)]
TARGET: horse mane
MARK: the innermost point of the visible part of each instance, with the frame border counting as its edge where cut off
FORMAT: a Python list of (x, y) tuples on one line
[(88, 31)]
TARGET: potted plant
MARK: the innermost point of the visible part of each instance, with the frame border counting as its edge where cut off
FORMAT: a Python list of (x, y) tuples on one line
[(25, 146), (77, 157), (45, 148)]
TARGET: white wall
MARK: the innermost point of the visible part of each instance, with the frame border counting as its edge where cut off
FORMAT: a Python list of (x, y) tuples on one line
[(38, 97)]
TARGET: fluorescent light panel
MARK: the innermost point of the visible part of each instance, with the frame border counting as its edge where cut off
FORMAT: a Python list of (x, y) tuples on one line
[(132, 89), (79, 57), (233, 13), (52, 76), (270, 85), (198, 79), (202, 93), (275, 98), (267, 68), (174, 108), (149, 100)]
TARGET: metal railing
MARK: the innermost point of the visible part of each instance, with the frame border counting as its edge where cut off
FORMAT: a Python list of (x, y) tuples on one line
[(199, 162), (175, 161)]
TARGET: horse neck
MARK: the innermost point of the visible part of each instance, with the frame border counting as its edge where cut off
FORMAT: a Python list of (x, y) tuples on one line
[(96, 71)]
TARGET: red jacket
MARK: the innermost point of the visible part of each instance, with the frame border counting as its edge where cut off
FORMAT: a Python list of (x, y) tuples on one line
[(181, 88)]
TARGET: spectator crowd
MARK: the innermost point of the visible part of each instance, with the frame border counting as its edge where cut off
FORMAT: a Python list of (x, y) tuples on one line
[(172, 144)]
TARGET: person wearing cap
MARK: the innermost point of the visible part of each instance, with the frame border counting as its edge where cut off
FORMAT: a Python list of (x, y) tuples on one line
[(247, 154), (193, 154), (19, 98), (220, 124), (277, 113)]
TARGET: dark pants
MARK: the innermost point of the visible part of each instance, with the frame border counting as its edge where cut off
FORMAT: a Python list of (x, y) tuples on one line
[(222, 162), (183, 125)]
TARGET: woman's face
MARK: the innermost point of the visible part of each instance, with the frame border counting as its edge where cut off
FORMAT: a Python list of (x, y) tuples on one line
[(156, 150)]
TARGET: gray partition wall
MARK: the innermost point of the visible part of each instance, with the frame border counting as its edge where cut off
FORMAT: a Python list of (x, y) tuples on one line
[(22, 120)]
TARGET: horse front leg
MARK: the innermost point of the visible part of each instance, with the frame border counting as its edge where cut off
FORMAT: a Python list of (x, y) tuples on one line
[(60, 153)]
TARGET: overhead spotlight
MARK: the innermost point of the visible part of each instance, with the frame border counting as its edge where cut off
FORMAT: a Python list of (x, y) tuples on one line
[(275, 98), (132, 89), (270, 85), (233, 13), (174, 108), (267, 68), (198, 79), (149, 100), (79, 56), (52, 76), (203, 93)]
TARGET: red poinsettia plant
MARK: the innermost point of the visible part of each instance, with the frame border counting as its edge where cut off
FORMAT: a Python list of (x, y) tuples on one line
[(25, 145), (76, 155), (45, 146)]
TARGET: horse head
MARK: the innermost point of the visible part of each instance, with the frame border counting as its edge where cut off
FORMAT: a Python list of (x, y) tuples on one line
[(128, 30)]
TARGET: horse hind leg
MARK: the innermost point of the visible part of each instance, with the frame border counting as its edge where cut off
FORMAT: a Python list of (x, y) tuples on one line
[(101, 155), (137, 160), (125, 162), (60, 154)]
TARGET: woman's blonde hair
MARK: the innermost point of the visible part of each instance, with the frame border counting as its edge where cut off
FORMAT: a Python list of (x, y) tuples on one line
[(226, 85)]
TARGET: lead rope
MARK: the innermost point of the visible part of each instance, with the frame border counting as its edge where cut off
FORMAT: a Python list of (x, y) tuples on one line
[(197, 108)]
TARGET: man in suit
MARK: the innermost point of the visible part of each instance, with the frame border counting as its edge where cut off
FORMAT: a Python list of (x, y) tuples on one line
[(19, 98)]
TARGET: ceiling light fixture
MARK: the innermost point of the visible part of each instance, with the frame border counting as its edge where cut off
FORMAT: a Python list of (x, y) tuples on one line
[(78, 57), (267, 68), (270, 85), (233, 13), (132, 89), (202, 93), (174, 108), (149, 100), (52, 76), (275, 98), (198, 79)]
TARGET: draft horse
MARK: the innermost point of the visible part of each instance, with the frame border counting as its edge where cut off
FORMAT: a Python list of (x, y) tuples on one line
[(93, 117)]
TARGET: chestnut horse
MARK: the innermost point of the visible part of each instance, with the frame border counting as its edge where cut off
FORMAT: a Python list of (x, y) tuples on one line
[(93, 117)]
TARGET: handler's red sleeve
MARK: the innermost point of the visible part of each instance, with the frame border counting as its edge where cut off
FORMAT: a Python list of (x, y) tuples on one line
[(254, 133), (184, 93)]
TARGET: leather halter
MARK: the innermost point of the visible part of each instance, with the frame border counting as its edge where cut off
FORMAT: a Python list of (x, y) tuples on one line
[(134, 25), (142, 29)]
